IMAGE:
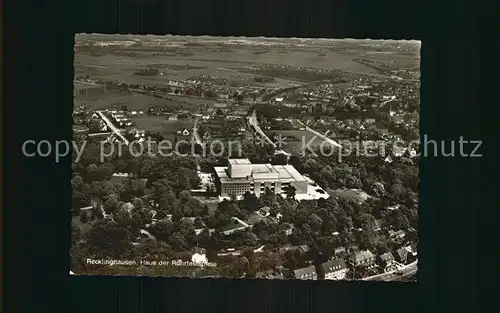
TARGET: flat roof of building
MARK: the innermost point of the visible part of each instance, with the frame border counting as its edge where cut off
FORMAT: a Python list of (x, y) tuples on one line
[(282, 173), (221, 172), (239, 162), (263, 169), (288, 172)]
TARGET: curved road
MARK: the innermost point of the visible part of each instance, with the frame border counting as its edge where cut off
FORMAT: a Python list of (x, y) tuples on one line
[(252, 120), (195, 133)]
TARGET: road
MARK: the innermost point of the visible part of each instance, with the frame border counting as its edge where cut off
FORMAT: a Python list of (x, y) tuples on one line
[(252, 120), (325, 138), (330, 141), (241, 222), (145, 232), (113, 128), (407, 271), (195, 133)]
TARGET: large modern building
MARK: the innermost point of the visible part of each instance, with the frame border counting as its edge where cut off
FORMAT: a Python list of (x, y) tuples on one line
[(241, 176)]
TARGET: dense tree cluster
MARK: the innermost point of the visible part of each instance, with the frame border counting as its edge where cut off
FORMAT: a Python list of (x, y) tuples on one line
[(152, 214), (122, 207)]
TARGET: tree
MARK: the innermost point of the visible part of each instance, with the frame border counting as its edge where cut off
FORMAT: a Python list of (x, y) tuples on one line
[(366, 222), (382, 248), (249, 202), (367, 240), (138, 203), (205, 210), (177, 215), (162, 230), (186, 228), (248, 253), (111, 205), (210, 93), (315, 222), (290, 192), (84, 218), (267, 198), (291, 261), (76, 182), (108, 239), (204, 238), (198, 223), (122, 217), (178, 242), (279, 159), (75, 234)]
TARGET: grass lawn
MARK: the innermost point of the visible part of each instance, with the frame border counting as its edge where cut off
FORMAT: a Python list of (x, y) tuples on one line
[(166, 128), (296, 139), (162, 124)]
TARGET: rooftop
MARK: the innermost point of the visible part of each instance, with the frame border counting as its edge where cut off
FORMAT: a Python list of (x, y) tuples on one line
[(261, 171), (402, 252), (305, 273), (333, 265), (363, 255), (239, 161), (387, 257)]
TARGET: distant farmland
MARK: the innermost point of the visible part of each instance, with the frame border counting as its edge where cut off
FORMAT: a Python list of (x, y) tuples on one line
[(118, 98)]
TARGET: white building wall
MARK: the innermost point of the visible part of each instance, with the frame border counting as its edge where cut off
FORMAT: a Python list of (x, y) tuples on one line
[(337, 275)]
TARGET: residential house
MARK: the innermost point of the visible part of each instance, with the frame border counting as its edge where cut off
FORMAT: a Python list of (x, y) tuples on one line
[(386, 259), (303, 248), (412, 254), (384, 132), (406, 160), (396, 235), (401, 255), (128, 206), (185, 132), (80, 129), (339, 251), (289, 229), (307, 273), (363, 258), (397, 119), (264, 211), (335, 269), (88, 210)]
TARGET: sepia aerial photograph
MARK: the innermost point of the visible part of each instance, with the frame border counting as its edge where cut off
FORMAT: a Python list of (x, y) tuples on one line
[(245, 157)]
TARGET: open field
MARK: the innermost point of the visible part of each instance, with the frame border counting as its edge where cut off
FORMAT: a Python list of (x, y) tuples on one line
[(135, 101), (118, 98), (181, 58), (163, 126), (296, 139), (121, 68)]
